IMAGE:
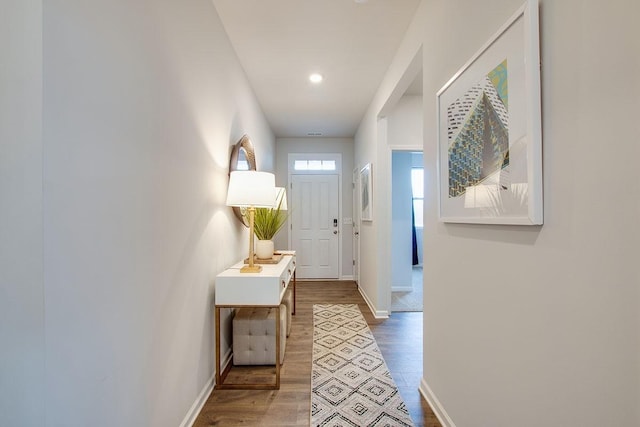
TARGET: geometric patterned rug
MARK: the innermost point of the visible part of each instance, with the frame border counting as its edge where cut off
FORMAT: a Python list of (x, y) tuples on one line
[(350, 382)]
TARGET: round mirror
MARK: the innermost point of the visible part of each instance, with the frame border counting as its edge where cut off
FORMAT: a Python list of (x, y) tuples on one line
[(243, 158)]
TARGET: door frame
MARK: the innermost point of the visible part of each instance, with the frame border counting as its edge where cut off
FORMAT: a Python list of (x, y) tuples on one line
[(337, 157), (355, 239)]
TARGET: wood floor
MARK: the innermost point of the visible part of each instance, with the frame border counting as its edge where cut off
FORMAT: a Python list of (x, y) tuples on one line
[(399, 339)]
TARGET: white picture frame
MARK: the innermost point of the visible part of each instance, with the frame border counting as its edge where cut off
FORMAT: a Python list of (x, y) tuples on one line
[(366, 193), (489, 130)]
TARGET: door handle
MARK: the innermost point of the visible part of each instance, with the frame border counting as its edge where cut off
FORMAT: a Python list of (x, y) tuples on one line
[(357, 233), (335, 231)]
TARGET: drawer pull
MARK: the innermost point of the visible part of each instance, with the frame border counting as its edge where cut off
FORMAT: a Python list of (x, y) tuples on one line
[(284, 284)]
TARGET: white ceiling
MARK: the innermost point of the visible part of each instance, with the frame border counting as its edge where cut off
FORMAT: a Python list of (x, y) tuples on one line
[(280, 42)]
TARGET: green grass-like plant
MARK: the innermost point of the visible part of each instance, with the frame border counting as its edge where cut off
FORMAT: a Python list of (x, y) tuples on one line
[(268, 221)]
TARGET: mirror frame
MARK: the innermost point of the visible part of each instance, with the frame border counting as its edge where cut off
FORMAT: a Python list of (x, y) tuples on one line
[(243, 145)]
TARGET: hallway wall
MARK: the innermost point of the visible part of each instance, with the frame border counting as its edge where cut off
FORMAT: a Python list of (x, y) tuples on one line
[(530, 322), (121, 225), (22, 334)]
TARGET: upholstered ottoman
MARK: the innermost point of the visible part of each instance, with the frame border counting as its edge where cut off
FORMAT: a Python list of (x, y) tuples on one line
[(254, 335)]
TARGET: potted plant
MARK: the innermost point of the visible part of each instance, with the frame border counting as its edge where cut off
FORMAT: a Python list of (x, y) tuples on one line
[(267, 222)]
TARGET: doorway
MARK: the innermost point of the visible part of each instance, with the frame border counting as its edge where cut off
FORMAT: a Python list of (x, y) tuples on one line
[(402, 130), (315, 218), (407, 196)]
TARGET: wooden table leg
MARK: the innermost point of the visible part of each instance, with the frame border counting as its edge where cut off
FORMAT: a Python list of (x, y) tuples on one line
[(217, 320), (277, 347), (294, 293)]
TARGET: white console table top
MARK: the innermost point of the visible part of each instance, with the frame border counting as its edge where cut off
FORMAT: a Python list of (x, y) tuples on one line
[(267, 287)]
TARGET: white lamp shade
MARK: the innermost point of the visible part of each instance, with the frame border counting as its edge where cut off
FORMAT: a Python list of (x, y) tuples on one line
[(281, 199), (251, 188)]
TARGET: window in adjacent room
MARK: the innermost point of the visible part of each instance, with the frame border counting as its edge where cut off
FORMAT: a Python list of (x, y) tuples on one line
[(417, 189)]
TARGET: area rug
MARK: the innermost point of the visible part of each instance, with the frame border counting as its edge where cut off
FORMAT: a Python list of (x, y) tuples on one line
[(350, 382)]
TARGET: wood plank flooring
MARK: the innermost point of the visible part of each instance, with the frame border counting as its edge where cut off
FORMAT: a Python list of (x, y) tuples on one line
[(399, 339)]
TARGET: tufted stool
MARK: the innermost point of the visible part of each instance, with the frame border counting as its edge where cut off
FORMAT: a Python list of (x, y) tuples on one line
[(254, 335)]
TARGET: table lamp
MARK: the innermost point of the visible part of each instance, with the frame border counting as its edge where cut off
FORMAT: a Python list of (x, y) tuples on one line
[(251, 190)]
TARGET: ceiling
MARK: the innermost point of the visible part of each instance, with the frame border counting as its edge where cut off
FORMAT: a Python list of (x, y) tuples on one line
[(281, 42)]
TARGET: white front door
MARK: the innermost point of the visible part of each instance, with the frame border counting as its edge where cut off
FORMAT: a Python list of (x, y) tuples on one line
[(315, 225)]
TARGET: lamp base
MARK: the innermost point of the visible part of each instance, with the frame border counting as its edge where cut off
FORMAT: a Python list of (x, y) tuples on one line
[(251, 269)]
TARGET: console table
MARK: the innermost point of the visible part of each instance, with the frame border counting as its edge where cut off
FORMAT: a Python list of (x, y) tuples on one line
[(263, 289)]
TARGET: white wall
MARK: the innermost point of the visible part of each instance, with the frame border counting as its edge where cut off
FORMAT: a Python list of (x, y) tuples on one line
[(21, 278), (344, 146), (124, 197), (366, 144), (529, 322), (405, 123)]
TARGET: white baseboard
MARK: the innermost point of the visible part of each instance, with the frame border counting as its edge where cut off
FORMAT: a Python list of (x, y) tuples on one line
[(195, 409), (378, 314), (402, 289), (347, 277), (435, 404)]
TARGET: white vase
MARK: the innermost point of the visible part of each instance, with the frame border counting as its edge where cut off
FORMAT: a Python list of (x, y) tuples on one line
[(264, 249)]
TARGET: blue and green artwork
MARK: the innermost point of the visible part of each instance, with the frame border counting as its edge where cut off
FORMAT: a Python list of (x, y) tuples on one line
[(478, 132)]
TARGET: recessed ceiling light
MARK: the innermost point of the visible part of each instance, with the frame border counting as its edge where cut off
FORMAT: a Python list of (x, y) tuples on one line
[(315, 78)]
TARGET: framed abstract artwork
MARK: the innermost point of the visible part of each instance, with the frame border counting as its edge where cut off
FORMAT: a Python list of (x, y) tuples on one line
[(489, 130), (366, 194)]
